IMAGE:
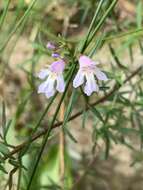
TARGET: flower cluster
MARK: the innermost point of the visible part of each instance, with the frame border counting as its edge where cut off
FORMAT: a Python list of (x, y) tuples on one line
[(54, 48), (87, 75), (53, 75)]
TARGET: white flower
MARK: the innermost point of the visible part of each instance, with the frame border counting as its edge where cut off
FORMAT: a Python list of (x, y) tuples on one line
[(86, 74), (54, 79)]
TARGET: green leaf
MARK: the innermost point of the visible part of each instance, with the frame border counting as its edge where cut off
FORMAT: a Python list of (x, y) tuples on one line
[(70, 107), (3, 149), (118, 76), (3, 169), (3, 116), (21, 106), (97, 114), (98, 44), (70, 135), (16, 164), (126, 130), (115, 57), (139, 14), (107, 146), (84, 117)]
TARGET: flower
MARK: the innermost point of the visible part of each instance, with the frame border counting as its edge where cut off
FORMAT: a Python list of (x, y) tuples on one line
[(51, 46), (87, 72), (55, 55), (54, 79)]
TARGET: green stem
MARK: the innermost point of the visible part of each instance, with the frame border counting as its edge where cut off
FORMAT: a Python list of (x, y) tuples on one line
[(49, 129)]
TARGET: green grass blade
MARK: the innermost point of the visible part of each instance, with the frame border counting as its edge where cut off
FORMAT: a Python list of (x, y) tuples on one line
[(115, 57), (139, 14), (26, 14), (98, 44), (70, 107), (4, 14), (97, 114), (102, 21), (91, 25)]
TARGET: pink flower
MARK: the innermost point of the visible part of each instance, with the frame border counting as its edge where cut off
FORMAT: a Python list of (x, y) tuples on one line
[(51, 46), (87, 73), (54, 79)]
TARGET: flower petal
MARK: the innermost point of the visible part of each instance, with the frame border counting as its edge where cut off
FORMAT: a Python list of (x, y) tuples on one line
[(100, 75), (50, 93), (84, 61), (87, 90), (95, 62), (43, 73), (90, 85), (47, 87), (79, 79), (57, 66), (42, 87), (60, 83), (50, 84)]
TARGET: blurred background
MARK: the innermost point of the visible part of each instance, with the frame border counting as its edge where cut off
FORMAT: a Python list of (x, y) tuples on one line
[(97, 155)]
